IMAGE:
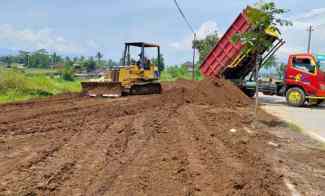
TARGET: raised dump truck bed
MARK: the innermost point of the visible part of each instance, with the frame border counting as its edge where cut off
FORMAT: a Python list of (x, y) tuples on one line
[(225, 52), (230, 60)]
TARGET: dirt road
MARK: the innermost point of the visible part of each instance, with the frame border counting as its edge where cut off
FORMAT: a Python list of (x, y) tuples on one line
[(194, 139), (310, 119)]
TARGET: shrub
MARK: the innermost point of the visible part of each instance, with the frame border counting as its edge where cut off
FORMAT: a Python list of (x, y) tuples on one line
[(172, 73), (13, 80), (67, 74)]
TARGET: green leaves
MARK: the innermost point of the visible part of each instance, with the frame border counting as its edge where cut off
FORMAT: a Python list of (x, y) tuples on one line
[(263, 16), (172, 73), (205, 46)]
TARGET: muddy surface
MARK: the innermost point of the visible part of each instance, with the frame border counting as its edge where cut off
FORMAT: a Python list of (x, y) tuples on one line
[(193, 139)]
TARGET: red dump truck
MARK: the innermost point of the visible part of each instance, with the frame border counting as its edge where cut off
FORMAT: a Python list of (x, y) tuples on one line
[(231, 61)]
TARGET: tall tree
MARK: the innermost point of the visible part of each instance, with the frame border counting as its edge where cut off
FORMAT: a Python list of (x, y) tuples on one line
[(67, 62), (99, 56), (54, 58), (81, 59), (8, 60), (75, 59), (204, 46), (90, 64), (24, 55), (39, 59)]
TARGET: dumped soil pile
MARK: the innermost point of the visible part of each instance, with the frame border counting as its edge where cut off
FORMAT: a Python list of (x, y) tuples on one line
[(194, 139), (218, 92), (209, 92)]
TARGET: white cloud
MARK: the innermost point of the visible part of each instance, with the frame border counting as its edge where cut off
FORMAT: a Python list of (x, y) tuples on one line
[(45, 38), (311, 13), (296, 36), (206, 29)]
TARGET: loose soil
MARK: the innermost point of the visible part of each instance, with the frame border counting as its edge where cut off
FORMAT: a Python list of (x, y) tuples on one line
[(196, 138)]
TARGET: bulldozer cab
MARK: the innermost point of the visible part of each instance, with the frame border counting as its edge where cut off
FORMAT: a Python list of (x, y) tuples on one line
[(141, 54)]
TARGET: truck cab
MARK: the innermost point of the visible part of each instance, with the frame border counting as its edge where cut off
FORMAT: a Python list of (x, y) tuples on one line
[(304, 80)]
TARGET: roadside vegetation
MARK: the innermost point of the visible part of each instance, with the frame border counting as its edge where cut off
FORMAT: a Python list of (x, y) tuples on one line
[(17, 85), (28, 75), (173, 73)]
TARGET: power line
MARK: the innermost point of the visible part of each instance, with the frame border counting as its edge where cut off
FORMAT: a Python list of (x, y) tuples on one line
[(194, 35), (319, 25), (184, 17)]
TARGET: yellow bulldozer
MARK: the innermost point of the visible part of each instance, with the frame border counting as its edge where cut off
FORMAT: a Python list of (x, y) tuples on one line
[(132, 77)]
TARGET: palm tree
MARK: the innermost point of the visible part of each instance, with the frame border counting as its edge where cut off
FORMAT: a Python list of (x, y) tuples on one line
[(54, 58), (99, 56), (25, 55)]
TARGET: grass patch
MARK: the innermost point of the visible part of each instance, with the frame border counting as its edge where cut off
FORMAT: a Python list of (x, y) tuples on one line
[(321, 146), (317, 144), (40, 71), (173, 73), (294, 127), (16, 85)]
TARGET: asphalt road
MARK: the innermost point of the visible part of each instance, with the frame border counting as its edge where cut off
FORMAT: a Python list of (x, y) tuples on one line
[(310, 119)]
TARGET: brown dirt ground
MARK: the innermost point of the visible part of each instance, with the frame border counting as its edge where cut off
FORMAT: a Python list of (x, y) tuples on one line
[(176, 143)]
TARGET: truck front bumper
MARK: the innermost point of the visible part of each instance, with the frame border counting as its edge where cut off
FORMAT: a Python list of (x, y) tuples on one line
[(318, 95)]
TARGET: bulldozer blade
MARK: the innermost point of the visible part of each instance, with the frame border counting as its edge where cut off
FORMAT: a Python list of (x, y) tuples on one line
[(104, 89)]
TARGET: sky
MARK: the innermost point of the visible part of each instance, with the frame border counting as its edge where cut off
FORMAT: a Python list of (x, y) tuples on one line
[(83, 27)]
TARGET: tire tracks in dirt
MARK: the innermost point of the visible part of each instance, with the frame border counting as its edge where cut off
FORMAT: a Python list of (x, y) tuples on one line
[(175, 143)]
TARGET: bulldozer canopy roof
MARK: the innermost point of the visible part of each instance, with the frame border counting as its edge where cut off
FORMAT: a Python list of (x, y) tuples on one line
[(140, 44)]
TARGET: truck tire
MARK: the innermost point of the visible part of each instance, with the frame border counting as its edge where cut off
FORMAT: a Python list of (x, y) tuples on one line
[(296, 97)]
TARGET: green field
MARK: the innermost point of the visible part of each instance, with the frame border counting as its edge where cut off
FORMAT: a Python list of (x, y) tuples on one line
[(173, 73), (18, 85), (25, 84)]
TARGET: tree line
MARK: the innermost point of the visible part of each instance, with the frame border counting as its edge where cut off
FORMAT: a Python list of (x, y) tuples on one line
[(43, 59)]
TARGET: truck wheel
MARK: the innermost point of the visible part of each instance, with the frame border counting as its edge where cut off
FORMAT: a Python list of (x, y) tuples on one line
[(296, 97)]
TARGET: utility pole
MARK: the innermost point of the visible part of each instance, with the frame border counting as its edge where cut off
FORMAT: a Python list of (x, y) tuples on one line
[(189, 25), (28, 59), (194, 51), (258, 64), (310, 30)]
